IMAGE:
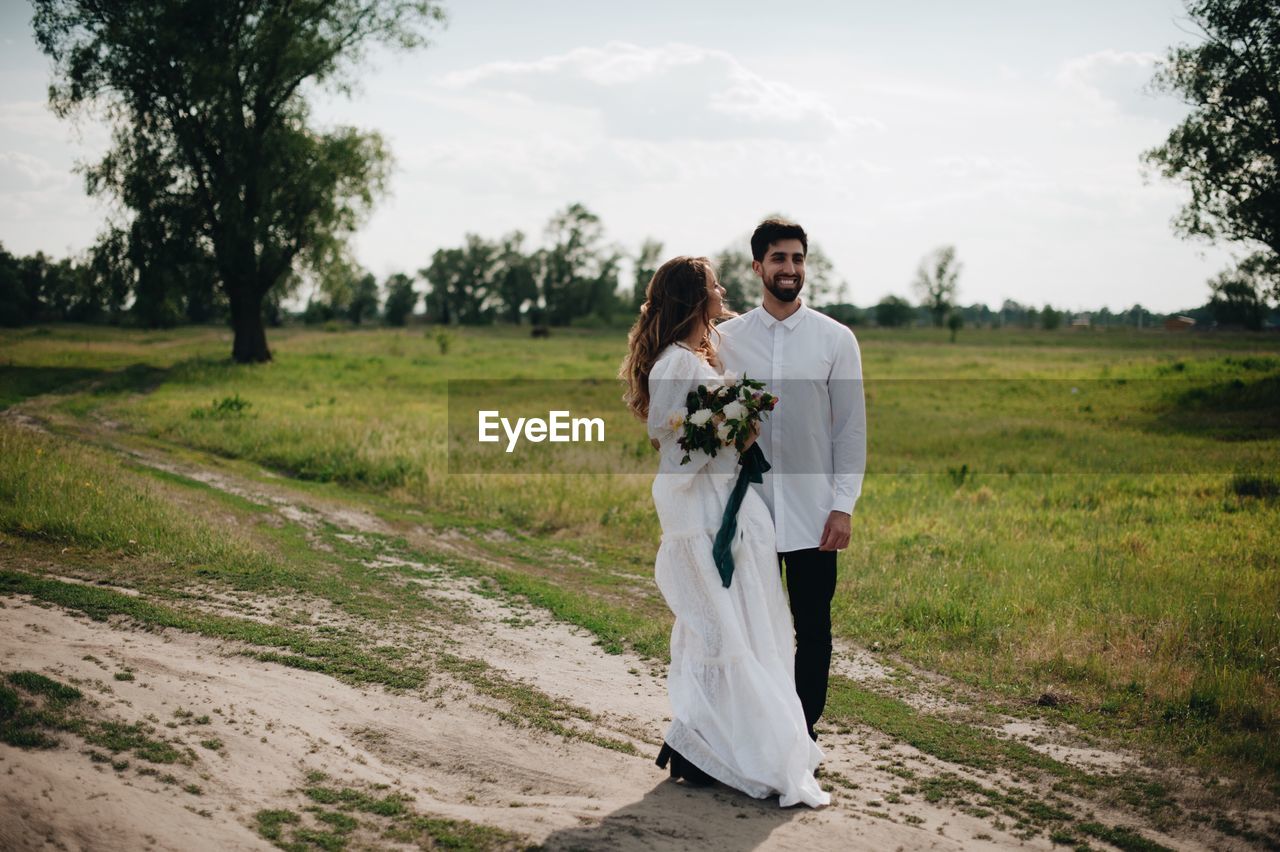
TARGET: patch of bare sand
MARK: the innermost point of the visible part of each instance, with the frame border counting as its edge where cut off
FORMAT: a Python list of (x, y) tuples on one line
[(23, 420), (456, 761), (307, 513), (624, 695), (559, 659)]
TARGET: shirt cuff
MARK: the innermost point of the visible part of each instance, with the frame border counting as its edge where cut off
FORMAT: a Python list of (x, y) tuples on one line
[(843, 504)]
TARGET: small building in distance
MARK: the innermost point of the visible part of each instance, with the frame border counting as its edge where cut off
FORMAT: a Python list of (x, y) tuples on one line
[(1081, 321), (1179, 323)]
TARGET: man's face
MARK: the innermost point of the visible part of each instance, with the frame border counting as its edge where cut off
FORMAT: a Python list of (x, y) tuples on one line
[(782, 270)]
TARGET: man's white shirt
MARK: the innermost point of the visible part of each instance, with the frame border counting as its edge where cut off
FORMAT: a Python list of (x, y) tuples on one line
[(816, 437)]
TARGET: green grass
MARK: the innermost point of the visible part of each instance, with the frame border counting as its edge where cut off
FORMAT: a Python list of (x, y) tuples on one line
[(271, 823), (529, 707), (962, 745), (345, 657), (967, 747), (57, 694), (1013, 534), (34, 707), (340, 812), (57, 491), (1122, 837), (18, 383)]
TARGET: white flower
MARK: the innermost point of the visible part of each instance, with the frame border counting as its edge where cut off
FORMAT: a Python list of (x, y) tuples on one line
[(700, 417), (723, 433), (734, 410)]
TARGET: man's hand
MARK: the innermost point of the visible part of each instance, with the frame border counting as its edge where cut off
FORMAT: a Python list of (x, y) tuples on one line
[(835, 534)]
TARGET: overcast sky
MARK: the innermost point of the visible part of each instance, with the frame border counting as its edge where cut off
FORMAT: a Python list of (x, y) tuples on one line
[(1010, 129)]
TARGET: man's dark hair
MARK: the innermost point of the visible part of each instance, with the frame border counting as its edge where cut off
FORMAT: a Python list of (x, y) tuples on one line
[(772, 231)]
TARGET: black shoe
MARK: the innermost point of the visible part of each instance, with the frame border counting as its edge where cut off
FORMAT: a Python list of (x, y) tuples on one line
[(681, 768), (691, 774)]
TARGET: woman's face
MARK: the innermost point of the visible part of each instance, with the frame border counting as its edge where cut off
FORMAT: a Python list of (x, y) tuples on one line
[(716, 307)]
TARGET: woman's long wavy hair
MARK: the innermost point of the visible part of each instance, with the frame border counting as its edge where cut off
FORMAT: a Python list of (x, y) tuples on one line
[(677, 299)]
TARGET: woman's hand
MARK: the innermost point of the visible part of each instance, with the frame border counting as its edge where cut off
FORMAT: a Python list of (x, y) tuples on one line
[(751, 439), (655, 443)]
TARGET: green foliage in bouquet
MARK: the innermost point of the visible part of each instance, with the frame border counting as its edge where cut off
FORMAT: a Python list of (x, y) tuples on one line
[(721, 416)]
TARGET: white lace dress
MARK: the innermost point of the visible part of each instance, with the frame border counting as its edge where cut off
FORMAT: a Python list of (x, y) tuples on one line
[(735, 713)]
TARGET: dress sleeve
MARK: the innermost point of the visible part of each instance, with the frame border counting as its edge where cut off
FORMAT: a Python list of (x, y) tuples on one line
[(670, 381)]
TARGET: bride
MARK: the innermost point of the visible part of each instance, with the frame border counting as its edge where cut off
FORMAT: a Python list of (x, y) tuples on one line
[(735, 714)]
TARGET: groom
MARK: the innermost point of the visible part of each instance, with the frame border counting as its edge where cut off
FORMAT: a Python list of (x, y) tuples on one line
[(816, 439)]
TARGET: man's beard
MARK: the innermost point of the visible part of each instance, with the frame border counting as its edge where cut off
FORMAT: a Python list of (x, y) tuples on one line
[(784, 294)]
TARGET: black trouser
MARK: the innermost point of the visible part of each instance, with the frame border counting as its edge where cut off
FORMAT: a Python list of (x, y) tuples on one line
[(811, 584)]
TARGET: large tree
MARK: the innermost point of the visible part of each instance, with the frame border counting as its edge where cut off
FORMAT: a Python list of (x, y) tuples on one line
[(894, 312), (820, 283), (210, 123), (741, 284), (516, 282), (463, 282), (646, 264), (579, 272), (401, 299), (1236, 298), (935, 282), (1227, 150)]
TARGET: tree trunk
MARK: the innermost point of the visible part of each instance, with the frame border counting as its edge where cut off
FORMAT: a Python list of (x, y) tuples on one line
[(250, 346)]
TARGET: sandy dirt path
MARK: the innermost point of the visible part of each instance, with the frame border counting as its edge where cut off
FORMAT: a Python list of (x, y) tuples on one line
[(443, 747), (277, 724)]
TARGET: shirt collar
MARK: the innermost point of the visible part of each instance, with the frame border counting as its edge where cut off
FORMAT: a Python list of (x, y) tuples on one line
[(790, 322)]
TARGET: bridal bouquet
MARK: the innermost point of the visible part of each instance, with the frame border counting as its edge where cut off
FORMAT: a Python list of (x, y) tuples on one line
[(721, 416)]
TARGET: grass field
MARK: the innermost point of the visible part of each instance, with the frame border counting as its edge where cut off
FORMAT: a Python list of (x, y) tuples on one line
[(1092, 516)]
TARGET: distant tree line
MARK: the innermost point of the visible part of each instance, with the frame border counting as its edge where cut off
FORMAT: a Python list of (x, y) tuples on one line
[(38, 289), (101, 288), (1238, 299), (897, 312), (574, 279)]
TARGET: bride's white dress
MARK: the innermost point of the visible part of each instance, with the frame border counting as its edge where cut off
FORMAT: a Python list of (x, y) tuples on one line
[(735, 713)]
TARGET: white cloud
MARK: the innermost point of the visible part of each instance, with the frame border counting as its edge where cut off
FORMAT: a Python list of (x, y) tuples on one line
[(1117, 81), (21, 172), (676, 91), (33, 122), (978, 166), (43, 205)]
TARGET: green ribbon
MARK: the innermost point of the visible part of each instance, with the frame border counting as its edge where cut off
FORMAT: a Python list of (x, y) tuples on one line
[(754, 465)]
